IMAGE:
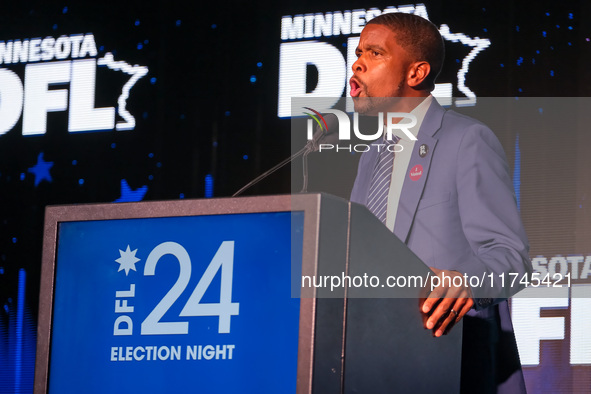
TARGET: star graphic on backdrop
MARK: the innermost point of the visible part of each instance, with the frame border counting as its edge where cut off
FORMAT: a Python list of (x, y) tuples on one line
[(128, 195), (41, 170), (127, 260)]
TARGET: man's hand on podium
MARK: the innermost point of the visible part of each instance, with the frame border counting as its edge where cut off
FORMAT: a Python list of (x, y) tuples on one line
[(446, 304)]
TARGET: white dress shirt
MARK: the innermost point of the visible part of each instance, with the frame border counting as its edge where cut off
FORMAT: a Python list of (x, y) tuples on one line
[(401, 161)]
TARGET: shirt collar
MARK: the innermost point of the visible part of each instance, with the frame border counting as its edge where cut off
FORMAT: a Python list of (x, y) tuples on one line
[(419, 112)]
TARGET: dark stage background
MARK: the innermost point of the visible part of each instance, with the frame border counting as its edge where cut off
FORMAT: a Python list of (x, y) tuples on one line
[(206, 122)]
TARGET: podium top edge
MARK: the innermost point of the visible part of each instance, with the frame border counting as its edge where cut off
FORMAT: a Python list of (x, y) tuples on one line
[(186, 207)]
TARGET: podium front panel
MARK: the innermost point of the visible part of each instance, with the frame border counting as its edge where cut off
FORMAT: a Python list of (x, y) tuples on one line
[(174, 303)]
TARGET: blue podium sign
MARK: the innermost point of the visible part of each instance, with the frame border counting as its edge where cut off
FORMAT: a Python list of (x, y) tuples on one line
[(198, 304)]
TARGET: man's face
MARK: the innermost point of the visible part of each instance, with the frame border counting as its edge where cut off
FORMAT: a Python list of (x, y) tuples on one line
[(380, 69)]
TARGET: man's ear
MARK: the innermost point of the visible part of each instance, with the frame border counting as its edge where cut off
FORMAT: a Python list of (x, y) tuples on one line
[(417, 73)]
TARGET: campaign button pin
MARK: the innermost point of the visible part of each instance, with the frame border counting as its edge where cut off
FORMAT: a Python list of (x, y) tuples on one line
[(423, 150), (416, 172)]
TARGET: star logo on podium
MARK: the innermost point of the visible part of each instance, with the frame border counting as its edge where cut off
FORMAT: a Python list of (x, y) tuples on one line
[(127, 260)]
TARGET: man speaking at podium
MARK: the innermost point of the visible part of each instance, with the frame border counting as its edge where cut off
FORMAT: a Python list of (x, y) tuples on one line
[(447, 195)]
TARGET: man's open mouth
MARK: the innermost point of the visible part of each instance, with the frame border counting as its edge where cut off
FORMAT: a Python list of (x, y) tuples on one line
[(355, 87)]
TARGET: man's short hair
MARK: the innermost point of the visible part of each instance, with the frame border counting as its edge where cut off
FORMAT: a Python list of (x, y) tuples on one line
[(419, 37)]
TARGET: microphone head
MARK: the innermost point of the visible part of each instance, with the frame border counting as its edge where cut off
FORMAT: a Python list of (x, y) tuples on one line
[(328, 136)]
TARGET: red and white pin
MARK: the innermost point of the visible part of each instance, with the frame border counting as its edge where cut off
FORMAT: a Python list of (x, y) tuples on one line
[(416, 172)]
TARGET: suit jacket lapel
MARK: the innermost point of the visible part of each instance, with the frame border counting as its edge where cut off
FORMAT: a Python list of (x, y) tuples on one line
[(418, 172)]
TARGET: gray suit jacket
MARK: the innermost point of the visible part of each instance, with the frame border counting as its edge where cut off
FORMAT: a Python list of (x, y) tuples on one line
[(461, 214)]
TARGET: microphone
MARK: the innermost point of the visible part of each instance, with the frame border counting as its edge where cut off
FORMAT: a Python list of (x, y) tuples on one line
[(328, 136)]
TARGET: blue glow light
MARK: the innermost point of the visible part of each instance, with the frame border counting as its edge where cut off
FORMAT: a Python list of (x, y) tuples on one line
[(227, 113), (55, 26), (113, 145), (153, 80), (208, 186), (14, 240), (182, 195), (74, 162), (81, 181), (140, 45), (517, 173), (260, 64), (253, 79), (137, 22), (214, 26), (65, 10), (178, 22), (20, 311), (245, 157)]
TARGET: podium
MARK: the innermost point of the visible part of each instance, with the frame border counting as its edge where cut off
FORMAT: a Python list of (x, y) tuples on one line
[(234, 295)]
